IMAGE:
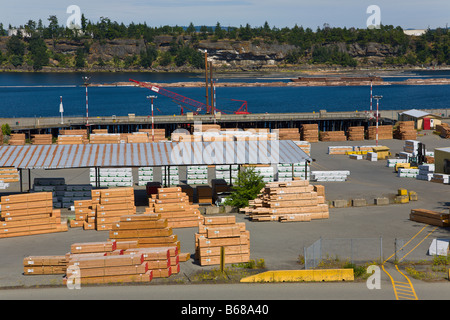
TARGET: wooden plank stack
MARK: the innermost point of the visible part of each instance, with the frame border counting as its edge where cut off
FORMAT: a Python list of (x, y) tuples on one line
[(138, 138), (222, 231), (42, 139), (84, 215), (29, 214), (101, 131), (443, 130), (309, 132), (102, 138), (385, 132), (290, 201), (9, 174), (430, 217), (111, 204), (355, 133), (333, 136), (204, 194), (159, 134), (174, 205), (405, 130), (73, 136), (17, 139), (287, 133), (44, 265)]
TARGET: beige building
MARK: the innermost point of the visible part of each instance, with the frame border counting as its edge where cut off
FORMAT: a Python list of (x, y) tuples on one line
[(442, 160), (423, 120)]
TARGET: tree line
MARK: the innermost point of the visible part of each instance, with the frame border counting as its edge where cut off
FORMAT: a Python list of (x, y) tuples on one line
[(311, 46)]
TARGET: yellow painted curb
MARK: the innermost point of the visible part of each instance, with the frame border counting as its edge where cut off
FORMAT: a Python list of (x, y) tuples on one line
[(302, 275)]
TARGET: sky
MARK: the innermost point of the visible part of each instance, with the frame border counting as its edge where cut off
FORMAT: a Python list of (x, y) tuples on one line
[(411, 14)]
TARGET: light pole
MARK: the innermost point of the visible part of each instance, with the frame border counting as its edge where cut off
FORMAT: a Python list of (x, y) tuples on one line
[(153, 122), (378, 98), (86, 84)]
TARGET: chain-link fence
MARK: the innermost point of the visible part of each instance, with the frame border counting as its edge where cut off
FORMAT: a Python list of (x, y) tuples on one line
[(407, 250), (352, 250)]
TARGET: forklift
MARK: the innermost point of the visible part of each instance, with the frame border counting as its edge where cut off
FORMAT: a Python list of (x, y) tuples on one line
[(414, 161)]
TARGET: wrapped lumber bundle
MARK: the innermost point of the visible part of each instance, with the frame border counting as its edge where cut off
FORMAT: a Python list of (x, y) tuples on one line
[(287, 133), (42, 139), (356, 133), (309, 132), (111, 204), (43, 265), (405, 130), (174, 205), (158, 134), (430, 217), (70, 139), (385, 132), (29, 214), (333, 136), (204, 194), (17, 139), (101, 138), (9, 174), (215, 233), (291, 201), (443, 130)]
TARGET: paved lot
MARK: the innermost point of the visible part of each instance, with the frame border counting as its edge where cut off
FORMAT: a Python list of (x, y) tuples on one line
[(279, 244)]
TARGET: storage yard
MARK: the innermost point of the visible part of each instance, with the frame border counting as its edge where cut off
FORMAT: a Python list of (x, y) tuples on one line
[(104, 222)]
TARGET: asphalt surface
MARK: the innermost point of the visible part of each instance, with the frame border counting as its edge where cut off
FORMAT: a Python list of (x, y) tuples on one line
[(279, 244)]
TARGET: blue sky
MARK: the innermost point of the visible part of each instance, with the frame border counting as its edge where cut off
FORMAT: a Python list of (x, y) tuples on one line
[(280, 13)]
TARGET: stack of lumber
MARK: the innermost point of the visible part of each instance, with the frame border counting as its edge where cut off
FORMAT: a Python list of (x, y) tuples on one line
[(159, 134), (440, 178), (190, 138), (75, 132), (443, 130), (138, 137), (305, 146), (355, 133), (205, 127), (9, 174), (17, 139), (174, 205), (405, 130), (287, 133), (340, 149), (42, 139), (430, 217), (154, 239), (43, 265), (175, 136), (104, 131), (69, 139), (309, 132), (29, 214), (333, 136), (102, 138), (111, 204), (204, 194), (385, 132), (217, 232), (291, 201), (84, 215)]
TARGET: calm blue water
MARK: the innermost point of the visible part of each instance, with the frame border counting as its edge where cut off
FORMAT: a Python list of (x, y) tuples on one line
[(38, 95)]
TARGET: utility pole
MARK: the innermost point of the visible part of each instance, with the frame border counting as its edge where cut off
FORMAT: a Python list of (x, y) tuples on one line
[(86, 81), (378, 98), (206, 83), (153, 122)]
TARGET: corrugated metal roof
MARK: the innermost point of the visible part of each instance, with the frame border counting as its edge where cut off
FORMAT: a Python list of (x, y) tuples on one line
[(150, 154)]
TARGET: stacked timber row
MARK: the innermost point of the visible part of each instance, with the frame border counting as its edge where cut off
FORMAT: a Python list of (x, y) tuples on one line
[(215, 233), (287, 134), (385, 132), (309, 132), (291, 201), (174, 205), (443, 130), (405, 130), (356, 133), (430, 217), (333, 136), (101, 138), (17, 139), (29, 214), (111, 204), (158, 134), (75, 136), (9, 174), (84, 215), (44, 265), (41, 139)]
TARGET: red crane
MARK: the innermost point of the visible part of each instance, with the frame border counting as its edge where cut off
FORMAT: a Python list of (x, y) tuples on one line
[(178, 98)]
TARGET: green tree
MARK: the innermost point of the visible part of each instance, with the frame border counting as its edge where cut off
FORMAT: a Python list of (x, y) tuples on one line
[(148, 56), (247, 187), (38, 52), (6, 129), (80, 58)]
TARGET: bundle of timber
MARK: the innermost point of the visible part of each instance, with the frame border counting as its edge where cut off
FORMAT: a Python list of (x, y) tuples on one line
[(333, 136), (42, 265), (101, 138), (440, 178), (189, 138), (385, 132), (173, 204), (305, 146), (100, 131), (17, 139), (42, 139), (309, 132), (29, 214), (204, 194), (205, 127), (340, 149), (70, 139), (291, 201), (175, 136), (84, 215), (158, 134), (215, 233), (443, 130), (75, 132), (430, 217), (138, 137), (111, 204), (405, 130), (287, 133), (9, 174), (356, 133)]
